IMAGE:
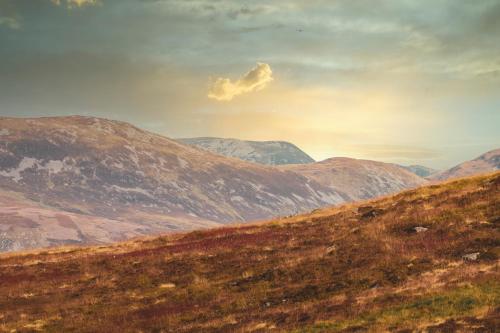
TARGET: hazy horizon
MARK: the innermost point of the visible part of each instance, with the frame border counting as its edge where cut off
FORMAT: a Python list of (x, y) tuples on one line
[(408, 82)]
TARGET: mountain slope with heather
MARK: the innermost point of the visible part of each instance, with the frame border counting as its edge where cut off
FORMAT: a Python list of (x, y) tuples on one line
[(359, 179), (488, 162), (422, 260), (262, 152)]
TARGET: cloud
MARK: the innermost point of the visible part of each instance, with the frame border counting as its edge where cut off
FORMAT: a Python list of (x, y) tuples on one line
[(10, 22), (395, 151), (258, 78), (245, 11), (75, 3)]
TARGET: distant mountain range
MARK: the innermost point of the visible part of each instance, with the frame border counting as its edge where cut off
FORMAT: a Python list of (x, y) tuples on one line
[(262, 152), (69, 171), (485, 163), (84, 180), (270, 152)]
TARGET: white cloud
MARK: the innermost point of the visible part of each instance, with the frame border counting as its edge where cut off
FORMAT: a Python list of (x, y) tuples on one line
[(75, 3), (10, 22), (258, 78)]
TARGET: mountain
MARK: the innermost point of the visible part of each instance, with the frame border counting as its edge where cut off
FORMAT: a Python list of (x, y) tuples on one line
[(113, 170), (262, 152), (488, 162), (358, 179), (420, 170), (93, 170), (424, 260)]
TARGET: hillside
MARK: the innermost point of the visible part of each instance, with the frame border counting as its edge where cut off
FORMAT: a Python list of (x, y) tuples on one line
[(25, 224), (485, 163), (262, 152), (424, 260), (91, 169), (359, 179)]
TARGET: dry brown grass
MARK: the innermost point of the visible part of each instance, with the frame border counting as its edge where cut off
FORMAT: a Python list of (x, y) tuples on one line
[(352, 268)]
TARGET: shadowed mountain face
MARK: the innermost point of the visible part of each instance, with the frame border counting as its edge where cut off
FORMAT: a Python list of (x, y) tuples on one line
[(420, 261), (420, 170), (262, 152), (485, 163), (91, 169)]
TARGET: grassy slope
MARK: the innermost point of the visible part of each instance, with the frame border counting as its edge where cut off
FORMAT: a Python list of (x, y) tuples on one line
[(353, 268)]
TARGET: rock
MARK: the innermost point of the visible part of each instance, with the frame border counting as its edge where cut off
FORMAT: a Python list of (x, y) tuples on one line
[(421, 229), (331, 249), (369, 212), (167, 286), (471, 256)]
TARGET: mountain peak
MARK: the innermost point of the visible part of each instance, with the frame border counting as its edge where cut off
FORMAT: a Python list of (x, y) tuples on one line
[(487, 162), (262, 152)]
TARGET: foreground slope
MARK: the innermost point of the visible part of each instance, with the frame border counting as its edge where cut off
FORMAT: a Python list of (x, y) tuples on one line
[(262, 152), (423, 260), (485, 163)]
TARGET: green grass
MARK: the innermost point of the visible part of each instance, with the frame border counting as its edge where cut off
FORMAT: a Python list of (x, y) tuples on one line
[(455, 303)]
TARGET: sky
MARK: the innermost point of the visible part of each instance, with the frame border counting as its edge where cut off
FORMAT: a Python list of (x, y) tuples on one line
[(403, 81)]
